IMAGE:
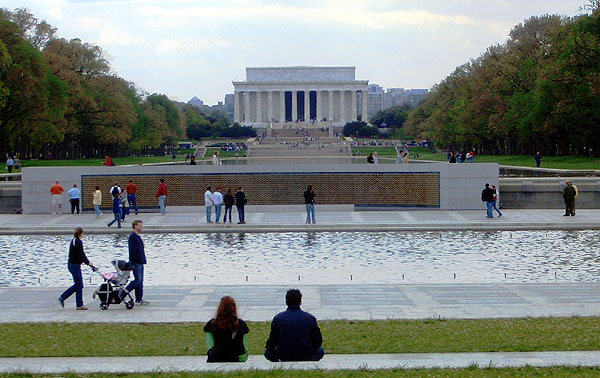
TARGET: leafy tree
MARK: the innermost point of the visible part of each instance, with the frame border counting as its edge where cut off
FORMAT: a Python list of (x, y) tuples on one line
[(360, 129)]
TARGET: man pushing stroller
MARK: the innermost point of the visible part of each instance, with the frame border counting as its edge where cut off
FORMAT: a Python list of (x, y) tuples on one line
[(137, 259)]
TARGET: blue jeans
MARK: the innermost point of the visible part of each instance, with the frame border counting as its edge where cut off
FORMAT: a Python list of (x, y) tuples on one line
[(77, 288), (241, 213), (132, 203), (117, 219), (97, 210), (227, 209), (138, 282), (488, 205), (161, 204), (494, 207), (310, 210), (208, 212), (218, 212)]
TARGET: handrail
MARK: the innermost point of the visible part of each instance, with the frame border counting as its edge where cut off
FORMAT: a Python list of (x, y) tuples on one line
[(10, 176)]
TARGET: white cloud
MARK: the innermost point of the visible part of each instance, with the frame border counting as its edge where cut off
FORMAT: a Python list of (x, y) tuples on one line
[(107, 33), (171, 45)]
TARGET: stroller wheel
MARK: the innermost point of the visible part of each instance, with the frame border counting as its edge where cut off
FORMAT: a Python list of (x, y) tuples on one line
[(129, 305), (104, 306)]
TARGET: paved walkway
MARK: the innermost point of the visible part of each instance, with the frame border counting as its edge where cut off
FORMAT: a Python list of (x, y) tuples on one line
[(361, 302), (280, 221), (165, 364)]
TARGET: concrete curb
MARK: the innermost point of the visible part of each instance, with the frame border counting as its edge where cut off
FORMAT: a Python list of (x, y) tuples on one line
[(153, 364)]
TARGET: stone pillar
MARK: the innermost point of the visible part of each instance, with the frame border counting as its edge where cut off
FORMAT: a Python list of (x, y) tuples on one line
[(236, 107), (306, 105), (282, 106), (343, 106), (319, 116), (246, 106), (270, 106), (353, 116), (294, 106), (330, 103), (365, 117), (258, 107)]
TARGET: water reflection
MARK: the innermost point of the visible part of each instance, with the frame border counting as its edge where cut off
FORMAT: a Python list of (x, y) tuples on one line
[(319, 258)]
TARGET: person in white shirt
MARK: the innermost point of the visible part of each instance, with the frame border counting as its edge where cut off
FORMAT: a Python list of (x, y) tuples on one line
[(217, 198), (74, 195), (215, 158), (208, 203), (375, 160)]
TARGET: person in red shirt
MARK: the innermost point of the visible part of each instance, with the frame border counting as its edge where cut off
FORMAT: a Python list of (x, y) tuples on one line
[(131, 189), (161, 194), (108, 161), (56, 191)]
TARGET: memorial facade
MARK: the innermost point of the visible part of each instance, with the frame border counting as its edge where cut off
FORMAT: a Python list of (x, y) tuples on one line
[(311, 96)]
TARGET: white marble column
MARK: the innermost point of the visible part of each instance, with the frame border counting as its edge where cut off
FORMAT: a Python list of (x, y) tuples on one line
[(343, 106), (319, 116), (365, 117), (270, 106), (258, 107), (353, 116), (282, 106), (246, 106), (236, 107), (330, 103), (306, 105), (294, 106)]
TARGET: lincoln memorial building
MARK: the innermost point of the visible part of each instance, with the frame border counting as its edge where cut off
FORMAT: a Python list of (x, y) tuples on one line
[(309, 96)]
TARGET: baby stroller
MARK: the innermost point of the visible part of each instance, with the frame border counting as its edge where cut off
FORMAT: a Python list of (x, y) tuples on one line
[(114, 286)]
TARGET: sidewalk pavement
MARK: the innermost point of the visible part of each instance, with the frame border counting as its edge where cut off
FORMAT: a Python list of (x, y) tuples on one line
[(326, 302), (287, 221), (166, 364)]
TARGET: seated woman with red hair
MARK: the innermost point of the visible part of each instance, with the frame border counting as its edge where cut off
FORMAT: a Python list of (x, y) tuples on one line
[(226, 334)]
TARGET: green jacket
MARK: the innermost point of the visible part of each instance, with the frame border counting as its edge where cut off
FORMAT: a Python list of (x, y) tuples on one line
[(569, 192)]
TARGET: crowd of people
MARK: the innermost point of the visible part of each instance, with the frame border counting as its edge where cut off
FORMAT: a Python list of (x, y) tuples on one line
[(216, 200), (460, 157)]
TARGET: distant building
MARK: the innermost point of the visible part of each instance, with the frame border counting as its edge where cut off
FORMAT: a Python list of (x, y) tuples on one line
[(375, 97), (196, 102), (229, 105), (417, 96), (400, 96)]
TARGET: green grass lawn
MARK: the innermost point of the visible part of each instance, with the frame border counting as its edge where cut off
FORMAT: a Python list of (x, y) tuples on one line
[(223, 154), (394, 336), (98, 162), (558, 162), (381, 151)]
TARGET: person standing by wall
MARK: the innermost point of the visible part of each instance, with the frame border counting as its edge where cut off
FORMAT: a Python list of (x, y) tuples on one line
[(229, 201), (131, 189), (495, 201), (240, 202), (161, 194), (74, 195), (97, 201), (76, 258), (56, 191), (538, 159), (309, 200), (375, 160), (217, 198), (487, 196), (137, 258), (569, 195), (452, 157), (208, 204), (9, 164)]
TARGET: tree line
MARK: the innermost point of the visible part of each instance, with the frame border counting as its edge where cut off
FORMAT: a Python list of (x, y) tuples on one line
[(60, 99), (538, 91)]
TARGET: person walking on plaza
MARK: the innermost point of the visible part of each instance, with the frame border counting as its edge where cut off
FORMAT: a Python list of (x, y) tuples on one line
[(115, 188), (116, 207), (215, 158), (97, 201), (161, 194), (124, 205), (487, 196), (217, 198), (229, 201), (452, 158), (74, 194), (76, 258), (208, 204), (131, 189), (309, 200), (56, 191), (225, 334), (569, 195), (495, 201), (538, 159), (9, 164), (295, 334), (240, 202), (375, 160), (137, 259)]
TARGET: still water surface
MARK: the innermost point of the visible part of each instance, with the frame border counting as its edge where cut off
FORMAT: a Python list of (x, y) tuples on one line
[(318, 258)]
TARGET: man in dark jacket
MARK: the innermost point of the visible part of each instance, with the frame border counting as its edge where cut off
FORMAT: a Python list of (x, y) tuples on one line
[(569, 194), (240, 202), (137, 259), (295, 334), (487, 196)]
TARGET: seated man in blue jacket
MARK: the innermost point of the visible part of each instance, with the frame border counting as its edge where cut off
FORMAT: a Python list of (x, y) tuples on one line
[(295, 335)]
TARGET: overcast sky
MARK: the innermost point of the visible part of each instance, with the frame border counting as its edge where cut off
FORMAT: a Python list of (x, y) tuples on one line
[(187, 48)]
